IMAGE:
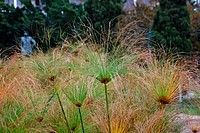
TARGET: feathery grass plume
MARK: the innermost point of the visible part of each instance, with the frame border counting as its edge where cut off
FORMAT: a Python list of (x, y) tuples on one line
[(48, 69), (75, 92), (103, 67), (38, 109), (14, 83), (121, 111), (154, 83)]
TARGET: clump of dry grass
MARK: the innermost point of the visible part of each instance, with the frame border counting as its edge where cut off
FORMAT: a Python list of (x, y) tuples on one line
[(158, 121), (11, 78), (162, 81), (121, 117)]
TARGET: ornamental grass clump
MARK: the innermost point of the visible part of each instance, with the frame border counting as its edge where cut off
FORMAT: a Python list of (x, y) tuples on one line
[(47, 68), (104, 68), (162, 80), (121, 114), (156, 122)]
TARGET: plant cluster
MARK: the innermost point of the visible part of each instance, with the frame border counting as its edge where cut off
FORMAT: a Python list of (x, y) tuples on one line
[(88, 91)]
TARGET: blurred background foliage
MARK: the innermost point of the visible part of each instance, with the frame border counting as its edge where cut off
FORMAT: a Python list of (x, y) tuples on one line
[(58, 21), (171, 27)]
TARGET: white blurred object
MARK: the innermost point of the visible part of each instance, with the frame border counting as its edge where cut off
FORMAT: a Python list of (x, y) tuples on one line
[(189, 95)]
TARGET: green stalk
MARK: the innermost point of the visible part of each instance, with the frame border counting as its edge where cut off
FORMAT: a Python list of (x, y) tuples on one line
[(107, 108), (67, 124), (79, 110)]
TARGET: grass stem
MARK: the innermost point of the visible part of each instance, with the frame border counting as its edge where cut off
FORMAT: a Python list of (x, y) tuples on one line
[(107, 108), (67, 124), (79, 110)]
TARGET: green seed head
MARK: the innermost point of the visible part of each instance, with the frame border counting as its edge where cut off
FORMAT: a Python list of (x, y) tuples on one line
[(104, 77)]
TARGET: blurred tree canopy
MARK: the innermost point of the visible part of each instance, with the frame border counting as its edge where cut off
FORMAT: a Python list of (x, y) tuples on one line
[(48, 25), (14, 21), (62, 13), (55, 21), (10, 24), (61, 20), (102, 12), (171, 27), (103, 18)]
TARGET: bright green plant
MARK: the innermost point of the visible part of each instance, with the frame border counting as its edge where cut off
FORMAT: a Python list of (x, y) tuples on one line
[(105, 72), (48, 71), (77, 95), (129, 103)]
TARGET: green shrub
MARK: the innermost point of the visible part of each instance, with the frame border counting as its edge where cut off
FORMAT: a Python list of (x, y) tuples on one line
[(102, 12), (171, 27)]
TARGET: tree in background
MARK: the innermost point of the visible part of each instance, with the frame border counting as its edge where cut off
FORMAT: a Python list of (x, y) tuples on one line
[(62, 13), (101, 12), (13, 23), (62, 18), (48, 29), (103, 18), (32, 17), (171, 27), (33, 20), (10, 24), (195, 26)]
